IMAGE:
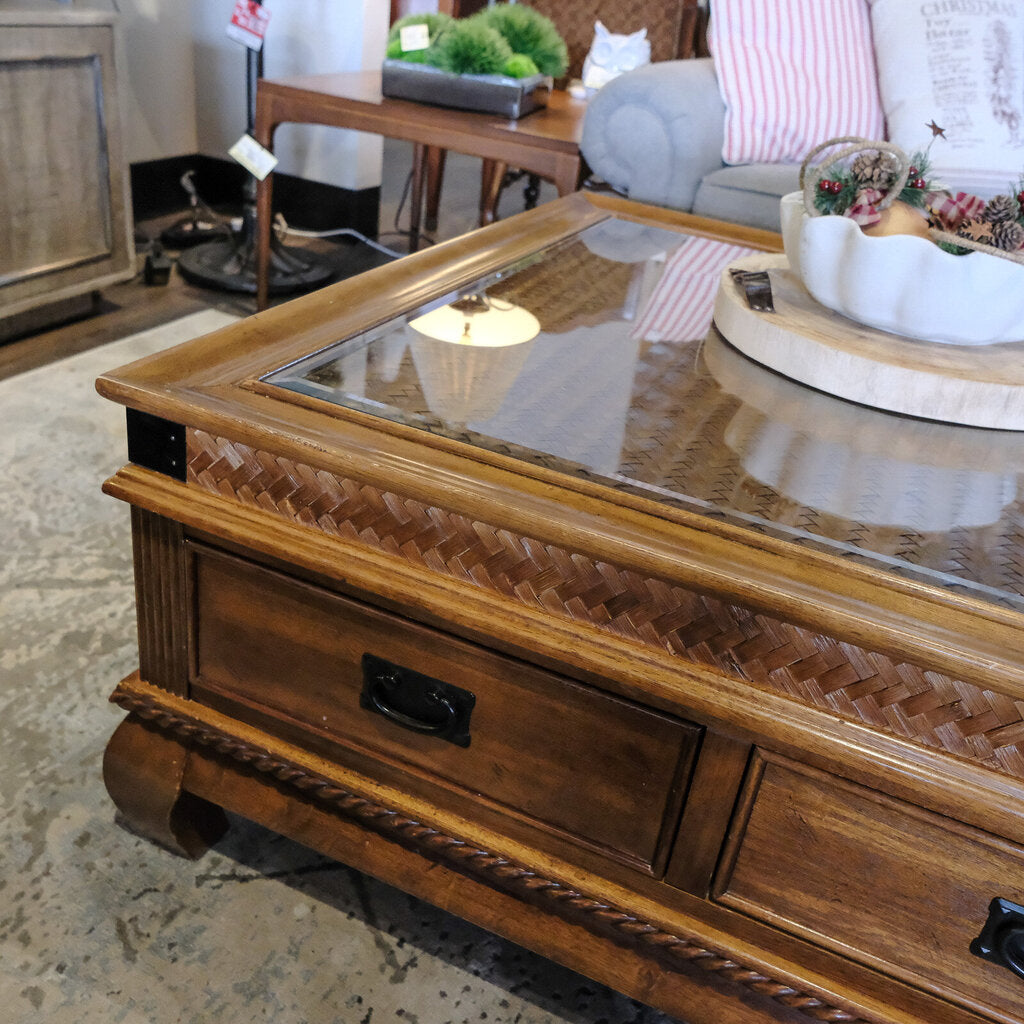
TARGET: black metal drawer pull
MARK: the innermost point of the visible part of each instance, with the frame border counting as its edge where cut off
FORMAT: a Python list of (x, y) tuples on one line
[(415, 701), (1002, 939)]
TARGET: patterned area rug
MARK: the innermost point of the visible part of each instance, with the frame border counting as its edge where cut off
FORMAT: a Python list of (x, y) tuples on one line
[(97, 925)]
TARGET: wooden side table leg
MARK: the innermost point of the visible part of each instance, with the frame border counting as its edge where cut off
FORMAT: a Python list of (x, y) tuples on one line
[(435, 179), (569, 172), (264, 205), (263, 132), (492, 175), (142, 770), (419, 163)]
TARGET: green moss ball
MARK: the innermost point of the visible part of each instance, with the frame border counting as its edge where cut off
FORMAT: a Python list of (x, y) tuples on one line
[(519, 66), (471, 47), (531, 33)]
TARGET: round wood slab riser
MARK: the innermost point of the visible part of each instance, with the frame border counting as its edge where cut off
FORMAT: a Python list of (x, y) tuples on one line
[(981, 386)]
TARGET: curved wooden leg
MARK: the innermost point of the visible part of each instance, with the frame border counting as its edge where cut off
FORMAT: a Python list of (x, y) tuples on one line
[(531, 193), (492, 175), (142, 770)]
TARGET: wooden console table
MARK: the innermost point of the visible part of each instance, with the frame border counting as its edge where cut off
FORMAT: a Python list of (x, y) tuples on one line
[(705, 684), (545, 143)]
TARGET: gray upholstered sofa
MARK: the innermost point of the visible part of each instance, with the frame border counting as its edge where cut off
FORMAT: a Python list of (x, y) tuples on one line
[(656, 134)]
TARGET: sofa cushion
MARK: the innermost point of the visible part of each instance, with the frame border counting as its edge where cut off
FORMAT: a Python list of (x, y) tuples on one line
[(961, 65), (793, 73), (748, 194)]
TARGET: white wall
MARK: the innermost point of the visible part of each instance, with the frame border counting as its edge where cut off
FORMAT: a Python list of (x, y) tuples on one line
[(160, 105), (309, 37), (186, 80)]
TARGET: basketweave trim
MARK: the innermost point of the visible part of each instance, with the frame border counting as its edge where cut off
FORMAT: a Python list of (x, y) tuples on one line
[(595, 915), (858, 684)]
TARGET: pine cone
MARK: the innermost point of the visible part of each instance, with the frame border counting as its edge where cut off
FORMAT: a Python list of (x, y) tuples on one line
[(1001, 208), (873, 170), (1007, 235)]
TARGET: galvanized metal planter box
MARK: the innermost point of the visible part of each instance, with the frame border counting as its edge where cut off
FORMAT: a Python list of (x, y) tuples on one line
[(489, 94)]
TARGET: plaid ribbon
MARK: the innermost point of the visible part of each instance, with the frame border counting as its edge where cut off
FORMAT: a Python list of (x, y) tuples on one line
[(952, 209), (864, 208)]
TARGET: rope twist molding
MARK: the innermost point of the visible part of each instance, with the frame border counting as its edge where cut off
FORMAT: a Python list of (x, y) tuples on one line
[(499, 872)]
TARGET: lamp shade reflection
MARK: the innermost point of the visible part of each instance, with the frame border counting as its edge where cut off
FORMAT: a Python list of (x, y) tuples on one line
[(468, 354)]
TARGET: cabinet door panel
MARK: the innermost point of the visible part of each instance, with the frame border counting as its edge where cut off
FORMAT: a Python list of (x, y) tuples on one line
[(64, 207), (56, 184)]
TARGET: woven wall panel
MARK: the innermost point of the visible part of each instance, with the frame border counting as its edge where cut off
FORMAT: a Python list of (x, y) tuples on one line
[(817, 670), (575, 20)]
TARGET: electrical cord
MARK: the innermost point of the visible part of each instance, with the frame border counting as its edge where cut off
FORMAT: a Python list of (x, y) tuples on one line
[(401, 203), (282, 228), (398, 229)]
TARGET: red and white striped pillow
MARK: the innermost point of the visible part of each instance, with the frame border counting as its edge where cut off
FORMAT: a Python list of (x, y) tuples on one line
[(681, 306), (793, 73)]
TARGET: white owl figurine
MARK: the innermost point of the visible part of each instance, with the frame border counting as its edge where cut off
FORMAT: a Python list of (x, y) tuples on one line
[(611, 54)]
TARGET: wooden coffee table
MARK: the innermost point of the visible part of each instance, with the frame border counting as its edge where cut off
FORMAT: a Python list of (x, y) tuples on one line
[(586, 628), (545, 143)]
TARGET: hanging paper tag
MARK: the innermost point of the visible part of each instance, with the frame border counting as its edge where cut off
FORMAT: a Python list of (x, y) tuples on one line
[(248, 24), (414, 37), (259, 162)]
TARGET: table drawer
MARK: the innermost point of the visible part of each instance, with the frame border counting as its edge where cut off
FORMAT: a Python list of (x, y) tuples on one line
[(289, 657), (895, 886)]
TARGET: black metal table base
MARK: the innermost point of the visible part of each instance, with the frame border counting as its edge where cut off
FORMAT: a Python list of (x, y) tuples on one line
[(230, 264)]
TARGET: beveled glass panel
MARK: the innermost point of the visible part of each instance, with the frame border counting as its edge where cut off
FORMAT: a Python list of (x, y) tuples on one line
[(596, 357)]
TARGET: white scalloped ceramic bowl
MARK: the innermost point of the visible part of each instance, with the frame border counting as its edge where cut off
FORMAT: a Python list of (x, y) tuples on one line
[(903, 283)]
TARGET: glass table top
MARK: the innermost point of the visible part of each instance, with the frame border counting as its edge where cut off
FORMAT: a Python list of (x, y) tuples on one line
[(597, 358)]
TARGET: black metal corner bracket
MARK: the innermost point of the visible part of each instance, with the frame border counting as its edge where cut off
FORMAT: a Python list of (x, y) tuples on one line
[(156, 444)]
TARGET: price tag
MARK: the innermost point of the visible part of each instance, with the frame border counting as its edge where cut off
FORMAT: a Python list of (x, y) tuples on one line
[(248, 24), (259, 162), (414, 37)]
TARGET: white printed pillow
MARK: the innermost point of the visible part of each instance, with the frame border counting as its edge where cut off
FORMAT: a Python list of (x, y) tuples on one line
[(793, 73), (961, 65)]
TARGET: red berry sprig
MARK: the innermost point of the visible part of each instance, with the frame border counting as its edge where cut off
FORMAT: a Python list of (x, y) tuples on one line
[(914, 179)]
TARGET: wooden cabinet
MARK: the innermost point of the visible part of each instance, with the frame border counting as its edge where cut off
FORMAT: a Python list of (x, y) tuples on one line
[(721, 769), (65, 212)]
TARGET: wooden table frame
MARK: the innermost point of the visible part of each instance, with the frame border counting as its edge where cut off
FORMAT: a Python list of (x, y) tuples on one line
[(545, 143), (825, 865)]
